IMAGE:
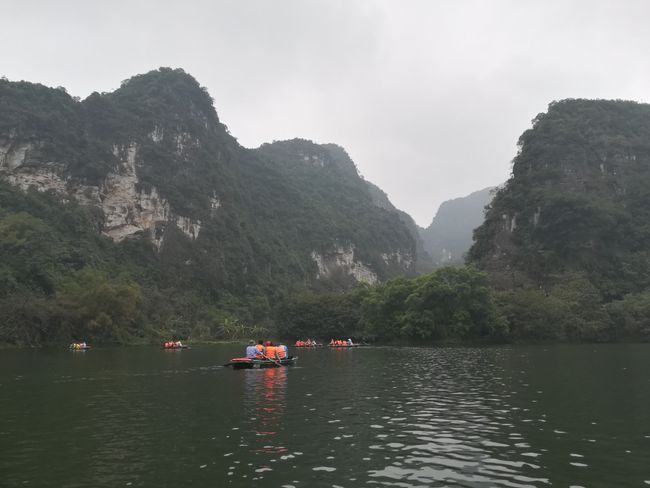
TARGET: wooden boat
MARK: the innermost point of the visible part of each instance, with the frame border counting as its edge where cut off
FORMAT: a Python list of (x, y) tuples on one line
[(306, 346), (174, 348), (343, 346), (248, 363)]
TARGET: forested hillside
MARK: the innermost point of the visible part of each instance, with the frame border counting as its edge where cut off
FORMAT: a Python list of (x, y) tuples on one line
[(135, 213), (563, 254), (568, 236)]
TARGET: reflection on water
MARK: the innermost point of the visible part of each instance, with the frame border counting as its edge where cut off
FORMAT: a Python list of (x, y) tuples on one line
[(511, 417), (264, 403)]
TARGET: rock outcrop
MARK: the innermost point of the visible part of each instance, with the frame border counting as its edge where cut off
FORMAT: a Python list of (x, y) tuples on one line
[(128, 208)]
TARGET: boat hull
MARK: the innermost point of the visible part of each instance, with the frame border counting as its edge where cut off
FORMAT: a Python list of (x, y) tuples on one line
[(247, 363)]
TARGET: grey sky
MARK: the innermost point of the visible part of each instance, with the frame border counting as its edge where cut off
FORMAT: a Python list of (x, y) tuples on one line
[(428, 97)]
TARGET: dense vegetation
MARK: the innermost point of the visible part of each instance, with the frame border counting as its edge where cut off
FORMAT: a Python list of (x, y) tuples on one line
[(564, 252), (568, 238), (457, 304), (450, 304), (61, 280)]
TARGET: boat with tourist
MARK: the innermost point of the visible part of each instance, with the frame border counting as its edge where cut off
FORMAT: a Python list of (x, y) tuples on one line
[(308, 343), (342, 343), (257, 363)]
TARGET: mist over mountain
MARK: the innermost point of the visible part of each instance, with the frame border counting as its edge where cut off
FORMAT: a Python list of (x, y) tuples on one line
[(449, 236)]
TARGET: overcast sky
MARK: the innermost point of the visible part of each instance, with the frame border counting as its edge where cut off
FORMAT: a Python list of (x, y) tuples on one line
[(428, 97)]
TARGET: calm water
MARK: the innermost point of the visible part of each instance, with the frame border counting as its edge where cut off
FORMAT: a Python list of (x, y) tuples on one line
[(517, 416)]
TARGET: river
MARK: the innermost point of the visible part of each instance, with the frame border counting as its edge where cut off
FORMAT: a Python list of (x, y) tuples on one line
[(575, 416)]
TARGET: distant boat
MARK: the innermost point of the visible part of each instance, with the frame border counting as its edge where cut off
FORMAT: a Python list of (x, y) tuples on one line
[(249, 363), (174, 345), (79, 346)]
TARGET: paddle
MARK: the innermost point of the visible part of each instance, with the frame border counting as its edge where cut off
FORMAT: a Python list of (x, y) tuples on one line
[(273, 360)]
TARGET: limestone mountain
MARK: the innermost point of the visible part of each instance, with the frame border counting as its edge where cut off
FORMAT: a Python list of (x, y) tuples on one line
[(424, 264), (577, 204), (184, 209), (449, 236)]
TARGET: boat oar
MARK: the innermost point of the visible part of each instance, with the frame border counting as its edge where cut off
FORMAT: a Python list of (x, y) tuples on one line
[(273, 360)]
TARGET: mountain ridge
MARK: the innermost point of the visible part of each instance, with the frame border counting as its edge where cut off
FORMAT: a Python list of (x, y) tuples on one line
[(449, 235), (157, 171)]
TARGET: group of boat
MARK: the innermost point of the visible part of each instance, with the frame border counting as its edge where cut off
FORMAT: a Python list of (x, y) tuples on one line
[(332, 343), (260, 355)]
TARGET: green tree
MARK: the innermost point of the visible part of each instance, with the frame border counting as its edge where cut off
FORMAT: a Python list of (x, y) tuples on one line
[(95, 306)]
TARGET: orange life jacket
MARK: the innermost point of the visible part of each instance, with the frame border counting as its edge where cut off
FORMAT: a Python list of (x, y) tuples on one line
[(260, 349), (271, 352)]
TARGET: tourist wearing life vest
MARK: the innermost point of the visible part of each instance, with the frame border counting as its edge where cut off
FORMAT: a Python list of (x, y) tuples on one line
[(271, 351), (282, 351), (261, 350)]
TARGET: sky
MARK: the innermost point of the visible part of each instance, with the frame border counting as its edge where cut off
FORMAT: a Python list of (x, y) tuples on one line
[(428, 97)]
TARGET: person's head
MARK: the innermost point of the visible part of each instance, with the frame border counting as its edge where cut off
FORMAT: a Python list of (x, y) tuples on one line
[(260, 342), (251, 343), (268, 343)]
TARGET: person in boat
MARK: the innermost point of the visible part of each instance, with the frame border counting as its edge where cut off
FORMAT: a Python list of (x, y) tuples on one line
[(332, 342), (261, 350), (350, 342), (283, 351), (251, 350), (271, 352)]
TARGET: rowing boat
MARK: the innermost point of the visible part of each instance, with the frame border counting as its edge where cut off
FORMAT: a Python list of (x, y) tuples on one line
[(249, 363)]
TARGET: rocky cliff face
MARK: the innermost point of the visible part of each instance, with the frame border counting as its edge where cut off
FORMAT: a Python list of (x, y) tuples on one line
[(154, 161), (127, 207), (577, 201)]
